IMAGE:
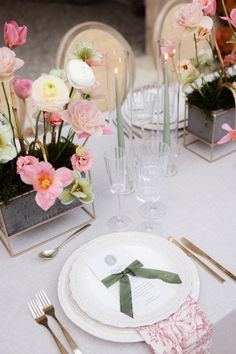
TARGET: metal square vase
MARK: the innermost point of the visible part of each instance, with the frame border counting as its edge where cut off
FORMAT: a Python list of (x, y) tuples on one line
[(209, 130), (22, 217)]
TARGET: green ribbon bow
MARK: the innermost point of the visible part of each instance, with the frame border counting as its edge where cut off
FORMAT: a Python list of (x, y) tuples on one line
[(135, 269)]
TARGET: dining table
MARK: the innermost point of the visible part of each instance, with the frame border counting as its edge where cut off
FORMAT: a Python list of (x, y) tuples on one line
[(200, 205)]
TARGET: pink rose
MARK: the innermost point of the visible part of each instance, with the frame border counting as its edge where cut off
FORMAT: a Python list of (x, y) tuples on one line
[(46, 181), (208, 6), (14, 35), (55, 118), (83, 162), (190, 17), (232, 18), (84, 118), (8, 64), (22, 87), (23, 161)]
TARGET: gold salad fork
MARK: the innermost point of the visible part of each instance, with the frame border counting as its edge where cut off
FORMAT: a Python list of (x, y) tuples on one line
[(48, 309), (41, 319)]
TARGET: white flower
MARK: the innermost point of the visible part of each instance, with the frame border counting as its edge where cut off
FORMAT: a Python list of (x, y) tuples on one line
[(58, 73), (188, 73), (49, 93), (79, 74), (7, 150)]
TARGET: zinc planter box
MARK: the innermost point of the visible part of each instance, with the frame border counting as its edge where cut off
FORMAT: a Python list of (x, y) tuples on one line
[(23, 218), (208, 131)]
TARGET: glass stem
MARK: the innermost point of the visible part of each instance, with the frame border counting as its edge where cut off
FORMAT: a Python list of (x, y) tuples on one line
[(119, 218)]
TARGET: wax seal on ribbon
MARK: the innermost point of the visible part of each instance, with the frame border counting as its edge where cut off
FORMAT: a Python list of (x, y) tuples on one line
[(136, 269)]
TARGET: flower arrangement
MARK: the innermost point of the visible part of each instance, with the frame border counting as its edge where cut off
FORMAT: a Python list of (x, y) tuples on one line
[(208, 78), (51, 164)]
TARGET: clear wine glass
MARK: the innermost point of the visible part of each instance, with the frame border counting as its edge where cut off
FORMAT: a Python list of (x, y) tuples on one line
[(143, 106), (119, 179), (151, 160)]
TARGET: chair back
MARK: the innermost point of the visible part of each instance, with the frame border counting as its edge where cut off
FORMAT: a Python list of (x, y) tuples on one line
[(106, 39)]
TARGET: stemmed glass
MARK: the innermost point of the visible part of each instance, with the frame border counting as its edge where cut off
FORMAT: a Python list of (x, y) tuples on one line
[(151, 161), (118, 172), (143, 106)]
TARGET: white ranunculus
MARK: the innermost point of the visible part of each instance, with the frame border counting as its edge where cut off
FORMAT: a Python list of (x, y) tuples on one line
[(49, 93), (79, 74), (7, 150)]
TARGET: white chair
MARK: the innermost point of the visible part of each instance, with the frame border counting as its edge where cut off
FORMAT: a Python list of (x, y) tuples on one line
[(163, 28), (105, 38)]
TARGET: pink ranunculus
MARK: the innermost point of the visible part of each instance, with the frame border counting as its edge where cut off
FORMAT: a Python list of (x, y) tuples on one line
[(55, 118), (83, 162), (46, 181), (208, 6), (169, 47), (23, 161), (14, 35), (232, 18), (22, 87), (231, 135), (84, 118), (190, 16), (8, 64)]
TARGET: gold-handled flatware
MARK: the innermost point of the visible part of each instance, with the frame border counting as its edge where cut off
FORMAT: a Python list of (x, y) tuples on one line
[(197, 250), (50, 253), (48, 309), (199, 261), (41, 319)]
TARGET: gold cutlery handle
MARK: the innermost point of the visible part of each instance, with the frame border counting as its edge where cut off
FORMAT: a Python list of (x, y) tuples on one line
[(219, 266), (59, 344), (199, 261), (197, 250), (68, 337)]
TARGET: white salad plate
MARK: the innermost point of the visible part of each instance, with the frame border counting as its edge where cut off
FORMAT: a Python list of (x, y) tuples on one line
[(132, 241)]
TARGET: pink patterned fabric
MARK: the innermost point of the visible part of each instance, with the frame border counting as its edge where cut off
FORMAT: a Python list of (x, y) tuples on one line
[(187, 331)]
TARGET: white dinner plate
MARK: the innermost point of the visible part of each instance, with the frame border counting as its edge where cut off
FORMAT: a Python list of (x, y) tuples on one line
[(96, 328), (151, 250), (153, 125)]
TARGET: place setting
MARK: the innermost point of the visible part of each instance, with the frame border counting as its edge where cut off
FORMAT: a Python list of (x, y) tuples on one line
[(101, 196)]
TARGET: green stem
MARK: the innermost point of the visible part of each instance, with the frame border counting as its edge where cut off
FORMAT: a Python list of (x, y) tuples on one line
[(9, 114), (226, 14), (65, 145), (72, 91), (37, 126), (198, 64)]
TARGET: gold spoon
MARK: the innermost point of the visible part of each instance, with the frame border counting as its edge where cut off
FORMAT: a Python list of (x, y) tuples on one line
[(48, 254)]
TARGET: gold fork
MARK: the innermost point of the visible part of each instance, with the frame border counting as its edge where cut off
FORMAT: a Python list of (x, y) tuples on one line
[(48, 309), (41, 319)]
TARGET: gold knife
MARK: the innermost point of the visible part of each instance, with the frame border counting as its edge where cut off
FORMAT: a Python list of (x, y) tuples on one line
[(199, 261), (197, 250)]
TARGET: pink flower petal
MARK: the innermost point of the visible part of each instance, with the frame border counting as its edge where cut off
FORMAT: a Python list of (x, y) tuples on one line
[(28, 174), (64, 175), (226, 127), (224, 140), (45, 200), (107, 131)]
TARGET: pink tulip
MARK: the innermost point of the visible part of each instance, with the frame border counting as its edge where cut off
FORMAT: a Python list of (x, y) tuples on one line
[(22, 87), (83, 161), (46, 181), (232, 18), (14, 35), (23, 161), (208, 6), (55, 118), (231, 135)]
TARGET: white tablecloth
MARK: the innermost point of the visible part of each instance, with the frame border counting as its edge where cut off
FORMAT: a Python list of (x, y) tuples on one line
[(200, 203)]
